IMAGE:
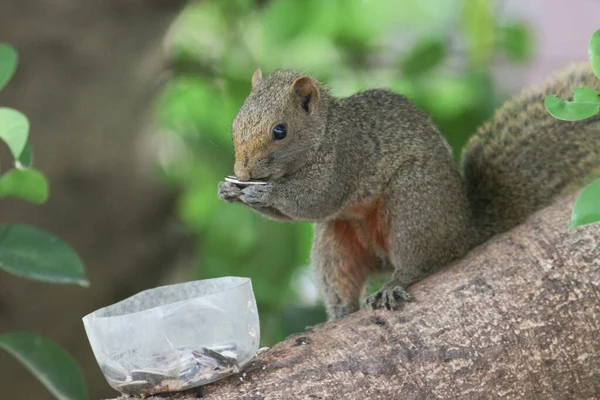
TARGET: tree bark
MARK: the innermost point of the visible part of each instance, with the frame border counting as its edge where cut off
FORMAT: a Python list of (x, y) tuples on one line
[(88, 73), (518, 318)]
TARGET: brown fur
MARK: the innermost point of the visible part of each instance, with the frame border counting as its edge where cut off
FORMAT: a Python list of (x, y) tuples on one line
[(374, 225), (351, 252), (381, 184)]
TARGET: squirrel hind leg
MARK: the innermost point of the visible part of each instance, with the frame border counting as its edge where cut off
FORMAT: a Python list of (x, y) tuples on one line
[(341, 261), (424, 226), (389, 297)]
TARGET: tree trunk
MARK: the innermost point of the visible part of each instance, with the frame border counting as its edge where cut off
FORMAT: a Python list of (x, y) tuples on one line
[(88, 73), (518, 318)]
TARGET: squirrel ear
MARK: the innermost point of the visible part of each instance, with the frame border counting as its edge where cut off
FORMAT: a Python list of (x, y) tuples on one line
[(256, 78), (307, 92)]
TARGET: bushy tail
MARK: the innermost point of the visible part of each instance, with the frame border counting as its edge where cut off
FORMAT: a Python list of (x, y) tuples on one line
[(523, 159)]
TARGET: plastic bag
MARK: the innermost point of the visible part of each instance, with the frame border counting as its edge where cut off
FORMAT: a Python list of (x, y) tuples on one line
[(176, 337)]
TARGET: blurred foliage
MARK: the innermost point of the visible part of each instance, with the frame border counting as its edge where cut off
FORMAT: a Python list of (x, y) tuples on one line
[(437, 54), (594, 52), (32, 253), (51, 364)]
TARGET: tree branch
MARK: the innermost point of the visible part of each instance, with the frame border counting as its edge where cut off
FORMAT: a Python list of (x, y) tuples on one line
[(518, 318)]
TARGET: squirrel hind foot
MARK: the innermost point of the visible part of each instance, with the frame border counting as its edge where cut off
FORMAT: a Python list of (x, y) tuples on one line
[(390, 297)]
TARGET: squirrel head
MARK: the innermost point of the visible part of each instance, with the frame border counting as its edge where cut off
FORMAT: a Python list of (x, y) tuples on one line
[(281, 121)]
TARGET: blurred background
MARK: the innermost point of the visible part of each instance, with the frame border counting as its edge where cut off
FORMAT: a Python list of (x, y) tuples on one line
[(131, 104)]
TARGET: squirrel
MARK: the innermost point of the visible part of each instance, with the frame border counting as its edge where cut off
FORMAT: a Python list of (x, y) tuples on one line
[(379, 180)]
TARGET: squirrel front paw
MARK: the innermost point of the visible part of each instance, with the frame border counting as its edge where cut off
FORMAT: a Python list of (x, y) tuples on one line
[(257, 195), (229, 192), (389, 297)]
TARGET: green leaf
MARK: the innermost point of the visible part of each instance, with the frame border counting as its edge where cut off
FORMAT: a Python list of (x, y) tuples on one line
[(34, 254), (14, 129), (48, 362), (586, 95), (8, 63), (424, 56), (516, 41), (594, 52), (587, 206), (479, 25), (585, 104), (26, 157), (26, 184)]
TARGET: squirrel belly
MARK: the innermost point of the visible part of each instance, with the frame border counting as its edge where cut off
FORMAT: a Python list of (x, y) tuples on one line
[(365, 225), (379, 180)]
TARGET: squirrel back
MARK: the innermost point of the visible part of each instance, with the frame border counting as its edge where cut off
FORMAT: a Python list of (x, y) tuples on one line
[(523, 159)]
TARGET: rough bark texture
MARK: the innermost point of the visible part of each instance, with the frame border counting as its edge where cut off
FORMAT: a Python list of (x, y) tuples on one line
[(88, 73), (518, 318)]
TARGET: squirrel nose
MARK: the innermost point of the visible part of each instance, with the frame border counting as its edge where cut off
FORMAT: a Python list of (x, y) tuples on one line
[(243, 174)]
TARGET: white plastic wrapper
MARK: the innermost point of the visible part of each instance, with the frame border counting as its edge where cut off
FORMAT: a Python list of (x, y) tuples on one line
[(176, 337)]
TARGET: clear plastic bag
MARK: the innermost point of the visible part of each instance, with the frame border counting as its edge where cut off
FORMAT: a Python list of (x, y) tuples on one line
[(176, 337)]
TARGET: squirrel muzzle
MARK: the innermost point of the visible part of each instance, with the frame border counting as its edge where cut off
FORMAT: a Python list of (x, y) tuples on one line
[(243, 173), (248, 156)]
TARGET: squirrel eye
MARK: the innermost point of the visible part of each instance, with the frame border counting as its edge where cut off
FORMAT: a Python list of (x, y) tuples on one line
[(279, 131)]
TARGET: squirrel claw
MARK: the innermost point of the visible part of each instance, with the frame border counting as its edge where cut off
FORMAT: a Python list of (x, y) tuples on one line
[(389, 297), (229, 192), (256, 195)]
